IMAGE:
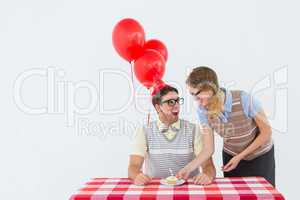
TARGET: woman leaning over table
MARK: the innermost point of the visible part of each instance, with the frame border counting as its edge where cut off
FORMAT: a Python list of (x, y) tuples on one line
[(239, 119)]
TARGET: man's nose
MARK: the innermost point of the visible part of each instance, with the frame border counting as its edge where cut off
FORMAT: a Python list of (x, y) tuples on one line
[(176, 106)]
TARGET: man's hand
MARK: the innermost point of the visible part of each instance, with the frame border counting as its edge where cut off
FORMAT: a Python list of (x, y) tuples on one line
[(141, 179), (203, 179)]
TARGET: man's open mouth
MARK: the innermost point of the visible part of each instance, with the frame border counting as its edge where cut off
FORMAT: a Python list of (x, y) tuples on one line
[(175, 113)]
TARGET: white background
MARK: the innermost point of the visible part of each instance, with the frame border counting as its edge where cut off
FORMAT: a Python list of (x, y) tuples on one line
[(41, 157)]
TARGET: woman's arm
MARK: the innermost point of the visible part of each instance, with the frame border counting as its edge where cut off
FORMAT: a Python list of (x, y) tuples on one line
[(208, 173), (209, 169), (206, 153), (263, 137)]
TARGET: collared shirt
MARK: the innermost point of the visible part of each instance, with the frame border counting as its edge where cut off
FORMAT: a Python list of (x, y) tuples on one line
[(139, 145), (251, 107)]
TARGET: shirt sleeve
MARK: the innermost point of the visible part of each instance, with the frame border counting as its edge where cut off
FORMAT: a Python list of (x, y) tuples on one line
[(251, 105), (198, 142), (139, 144), (202, 115)]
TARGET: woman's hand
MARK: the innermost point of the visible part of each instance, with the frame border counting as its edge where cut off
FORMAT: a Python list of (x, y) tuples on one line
[(232, 164), (184, 173), (203, 179)]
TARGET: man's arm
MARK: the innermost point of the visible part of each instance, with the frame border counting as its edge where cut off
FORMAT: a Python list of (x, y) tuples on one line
[(136, 159), (134, 170), (135, 166)]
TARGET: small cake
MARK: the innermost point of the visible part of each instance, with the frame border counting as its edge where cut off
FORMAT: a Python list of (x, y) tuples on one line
[(171, 179)]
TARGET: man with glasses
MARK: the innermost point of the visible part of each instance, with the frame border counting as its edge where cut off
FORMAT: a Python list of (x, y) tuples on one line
[(171, 145)]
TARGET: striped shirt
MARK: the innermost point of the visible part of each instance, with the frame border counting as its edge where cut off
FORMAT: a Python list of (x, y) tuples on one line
[(164, 154), (239, 131)]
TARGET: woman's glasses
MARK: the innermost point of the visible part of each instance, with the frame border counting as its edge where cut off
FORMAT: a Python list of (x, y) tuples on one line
[(172, 102), (198, 95)]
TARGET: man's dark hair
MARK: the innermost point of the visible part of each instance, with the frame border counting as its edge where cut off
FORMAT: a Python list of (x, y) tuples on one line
[(156, 99)]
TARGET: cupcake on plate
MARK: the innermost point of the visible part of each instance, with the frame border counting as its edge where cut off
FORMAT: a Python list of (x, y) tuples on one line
[(172, 180)]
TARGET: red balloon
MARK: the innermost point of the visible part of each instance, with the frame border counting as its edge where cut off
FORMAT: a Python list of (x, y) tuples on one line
[(158, 46), (149, 68), (128, 39), (157, 86)]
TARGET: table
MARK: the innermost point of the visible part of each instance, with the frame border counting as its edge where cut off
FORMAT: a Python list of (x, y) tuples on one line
[(222, 188)]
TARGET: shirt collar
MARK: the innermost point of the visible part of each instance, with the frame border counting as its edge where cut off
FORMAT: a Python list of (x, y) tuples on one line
[(228, 100)]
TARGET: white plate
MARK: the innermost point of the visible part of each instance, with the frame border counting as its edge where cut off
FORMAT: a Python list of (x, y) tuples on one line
[(178, 182)]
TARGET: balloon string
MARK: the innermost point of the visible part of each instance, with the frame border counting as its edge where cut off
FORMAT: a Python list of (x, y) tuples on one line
[(149, 112), (134, 99), (133, 86), (148, 118)]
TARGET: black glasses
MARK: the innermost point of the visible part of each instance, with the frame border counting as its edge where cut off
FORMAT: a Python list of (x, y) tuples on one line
[(172, 102)]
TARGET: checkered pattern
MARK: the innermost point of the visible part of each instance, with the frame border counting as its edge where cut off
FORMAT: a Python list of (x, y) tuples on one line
[(222, 188)]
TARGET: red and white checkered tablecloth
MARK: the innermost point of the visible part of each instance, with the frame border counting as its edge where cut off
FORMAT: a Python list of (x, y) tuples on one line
[(222, 188)]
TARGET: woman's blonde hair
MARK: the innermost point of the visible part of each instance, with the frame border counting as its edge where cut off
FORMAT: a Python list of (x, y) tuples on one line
[(204, 79)]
